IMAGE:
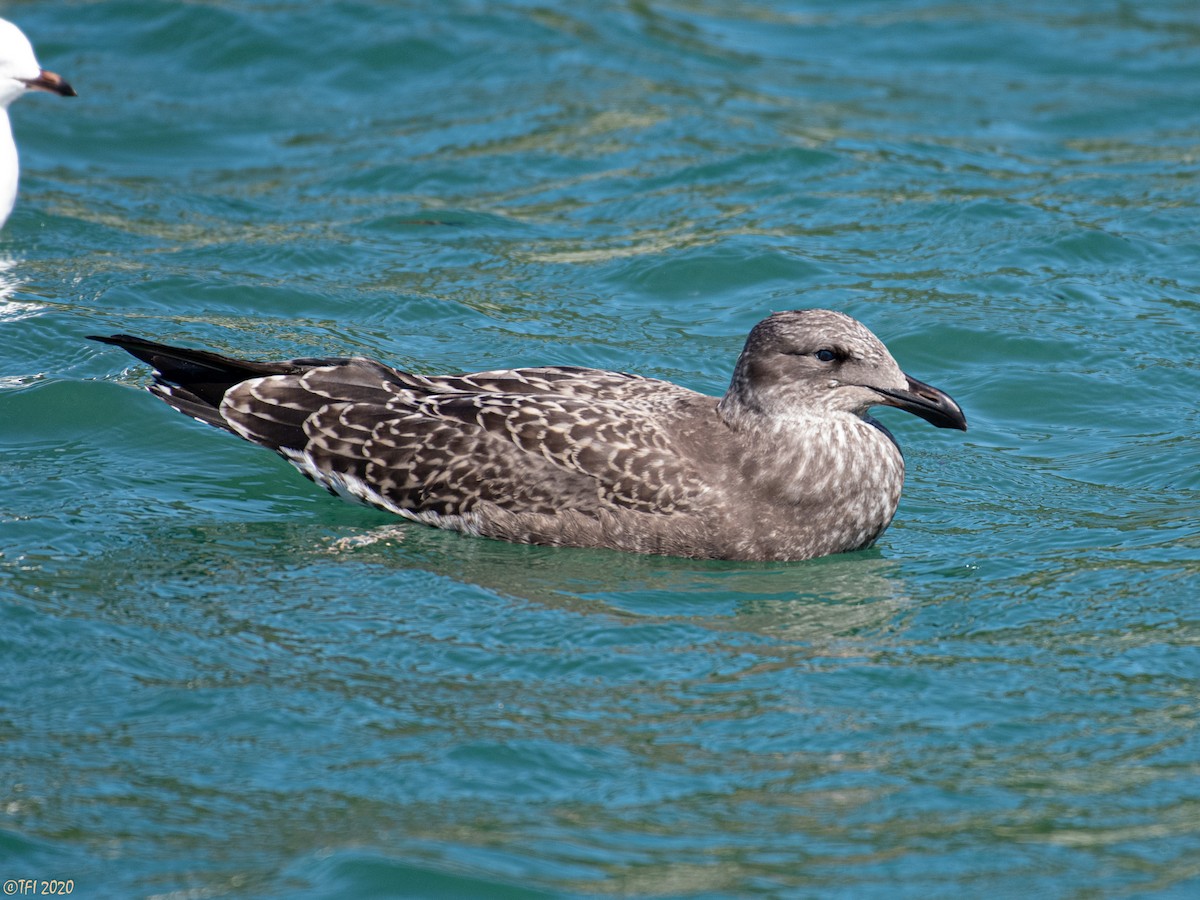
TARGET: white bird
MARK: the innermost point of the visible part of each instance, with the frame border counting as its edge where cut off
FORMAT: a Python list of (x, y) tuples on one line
[(19, 72)]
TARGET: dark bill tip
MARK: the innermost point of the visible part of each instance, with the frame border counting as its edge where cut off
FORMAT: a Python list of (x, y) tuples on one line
[(934, 406), (52, 82)]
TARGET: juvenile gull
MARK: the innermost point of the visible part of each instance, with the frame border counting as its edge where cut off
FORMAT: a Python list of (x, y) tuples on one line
[(787, 465), (19, 72)]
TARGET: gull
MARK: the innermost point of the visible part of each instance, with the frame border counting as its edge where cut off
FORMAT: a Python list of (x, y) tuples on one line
[(787, 465), (19, 72)]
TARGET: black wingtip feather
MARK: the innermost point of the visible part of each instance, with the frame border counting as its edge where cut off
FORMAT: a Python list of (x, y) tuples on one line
[(204, 374), (181, 363)]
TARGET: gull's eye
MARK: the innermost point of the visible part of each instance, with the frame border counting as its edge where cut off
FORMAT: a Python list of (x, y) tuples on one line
[(825, 355)]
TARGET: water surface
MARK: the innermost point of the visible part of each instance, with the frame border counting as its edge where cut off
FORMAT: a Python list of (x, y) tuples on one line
[(217, 681)]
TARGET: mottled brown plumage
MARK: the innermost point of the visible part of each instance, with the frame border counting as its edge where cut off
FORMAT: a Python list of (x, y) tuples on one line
[(787, 465)]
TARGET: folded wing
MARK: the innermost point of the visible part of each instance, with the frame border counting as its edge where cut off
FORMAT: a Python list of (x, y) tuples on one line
[(537, 440)]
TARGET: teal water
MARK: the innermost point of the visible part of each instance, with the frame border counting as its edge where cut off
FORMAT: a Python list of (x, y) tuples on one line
[(217, 681)]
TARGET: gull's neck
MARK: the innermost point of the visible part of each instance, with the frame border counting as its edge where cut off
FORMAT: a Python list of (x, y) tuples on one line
[(9, 168)]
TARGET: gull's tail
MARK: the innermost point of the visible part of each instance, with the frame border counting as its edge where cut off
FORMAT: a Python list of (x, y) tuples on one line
[(195, 381)]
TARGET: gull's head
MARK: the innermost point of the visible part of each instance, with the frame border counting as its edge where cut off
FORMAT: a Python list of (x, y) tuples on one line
[(19, 69), (821, 362)]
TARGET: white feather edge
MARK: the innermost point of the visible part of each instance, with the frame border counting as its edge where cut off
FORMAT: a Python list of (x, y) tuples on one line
[(353, 488)]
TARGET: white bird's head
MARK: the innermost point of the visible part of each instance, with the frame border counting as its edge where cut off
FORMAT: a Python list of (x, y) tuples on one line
[(19, 69)]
